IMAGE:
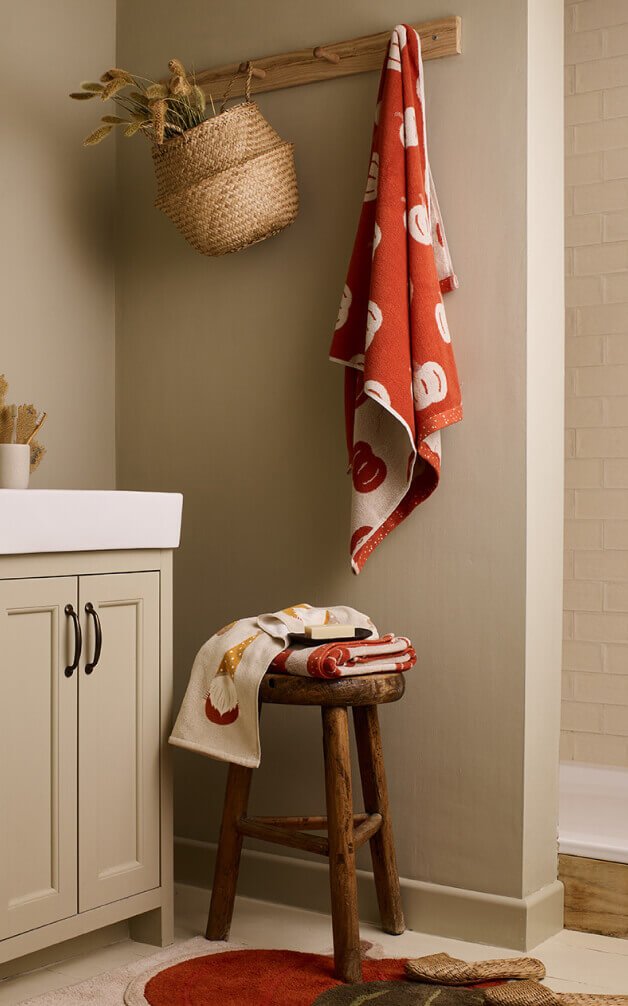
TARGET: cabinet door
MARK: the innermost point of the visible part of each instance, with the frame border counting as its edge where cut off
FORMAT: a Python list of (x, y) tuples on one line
[(38, 839), (119, 737)]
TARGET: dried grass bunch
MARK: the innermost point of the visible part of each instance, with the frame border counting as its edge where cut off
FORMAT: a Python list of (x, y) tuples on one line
[(19, 424), (159, 111)]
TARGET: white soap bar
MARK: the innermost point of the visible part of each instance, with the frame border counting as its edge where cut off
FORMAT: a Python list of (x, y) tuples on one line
[(330, 631)]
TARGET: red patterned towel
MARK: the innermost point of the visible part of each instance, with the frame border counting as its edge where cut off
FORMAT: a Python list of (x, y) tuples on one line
[(349, 658), (401, 385)]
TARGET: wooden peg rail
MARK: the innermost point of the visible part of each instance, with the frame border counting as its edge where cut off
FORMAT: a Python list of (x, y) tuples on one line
[(333, 59)]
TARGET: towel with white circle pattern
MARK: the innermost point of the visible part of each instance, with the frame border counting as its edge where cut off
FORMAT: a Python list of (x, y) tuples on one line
[(401, 382)]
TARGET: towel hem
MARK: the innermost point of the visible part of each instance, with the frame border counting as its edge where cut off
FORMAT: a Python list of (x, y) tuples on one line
[(214, 753)]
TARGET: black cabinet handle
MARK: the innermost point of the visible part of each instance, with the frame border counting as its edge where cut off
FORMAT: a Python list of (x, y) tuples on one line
[(90, 610), (78, 640)]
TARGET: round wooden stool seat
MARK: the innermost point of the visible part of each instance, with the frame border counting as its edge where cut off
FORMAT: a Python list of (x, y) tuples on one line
[(362, 690)]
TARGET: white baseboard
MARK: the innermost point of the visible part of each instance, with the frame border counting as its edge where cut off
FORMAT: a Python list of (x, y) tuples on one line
[(514, 923)]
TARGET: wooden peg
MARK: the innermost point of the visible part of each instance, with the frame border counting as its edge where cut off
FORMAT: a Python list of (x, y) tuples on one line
[(256, 71), (321, 53)]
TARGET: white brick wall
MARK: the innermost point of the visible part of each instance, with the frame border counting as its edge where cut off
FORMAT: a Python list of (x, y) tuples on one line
[(595, 651)]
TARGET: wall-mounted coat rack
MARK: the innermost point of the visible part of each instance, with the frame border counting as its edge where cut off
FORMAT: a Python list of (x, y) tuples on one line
[(336, 59)]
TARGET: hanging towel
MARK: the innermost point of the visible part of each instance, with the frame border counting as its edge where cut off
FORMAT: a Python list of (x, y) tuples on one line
[(219, 713), (347, 659), (401, 385)]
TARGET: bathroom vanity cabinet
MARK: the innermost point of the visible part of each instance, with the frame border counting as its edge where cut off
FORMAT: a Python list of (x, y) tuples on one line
[(85, 712)]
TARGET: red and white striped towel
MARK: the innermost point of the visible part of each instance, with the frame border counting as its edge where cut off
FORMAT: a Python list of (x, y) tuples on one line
[(347, 659), (401, 385)]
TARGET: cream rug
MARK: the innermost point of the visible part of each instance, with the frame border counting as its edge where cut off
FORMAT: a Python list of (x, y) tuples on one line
[(108, 989)]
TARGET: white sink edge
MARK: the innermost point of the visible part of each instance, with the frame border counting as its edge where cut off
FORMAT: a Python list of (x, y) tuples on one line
[(87, 520)]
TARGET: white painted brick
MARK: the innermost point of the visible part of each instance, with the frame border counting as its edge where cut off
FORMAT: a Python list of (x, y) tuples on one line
[(586, 534), (603, 135), (567, 679), (616, 350), (584, 351), (599, 14), (616, 39), (616, 534), (615, 226), (601, 197), (584, 45), (594, 259), (606, 381), (585, 717), (616, 473), (615, 291), (615, 720), (581, 169), (604, 443), (568, 624), (615, 411), (569, 258), (584, 230), (582, 291), (615, 102), (615, 658), (603, 627), (605, 319), (570, 503), (584, 595), (616, 163), (569, 197), (570, 140), (600, 749), (615, 596), (604, 688), (583, 474), (567, 565), (579, 656), (584, 412), (585, 107), (602, 73), (606, 565), (566, 747)]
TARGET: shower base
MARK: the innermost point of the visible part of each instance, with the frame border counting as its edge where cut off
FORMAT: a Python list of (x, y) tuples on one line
[(593, 846)]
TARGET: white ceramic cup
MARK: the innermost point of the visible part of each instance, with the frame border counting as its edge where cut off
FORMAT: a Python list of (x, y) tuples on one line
[(15, 466)]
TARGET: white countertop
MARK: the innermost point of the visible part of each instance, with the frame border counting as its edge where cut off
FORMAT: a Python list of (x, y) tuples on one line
[(77, 520)]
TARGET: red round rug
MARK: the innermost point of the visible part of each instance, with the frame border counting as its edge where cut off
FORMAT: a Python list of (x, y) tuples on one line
[(255, 978)]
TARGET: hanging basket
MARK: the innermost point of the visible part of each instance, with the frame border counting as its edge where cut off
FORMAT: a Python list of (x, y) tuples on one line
[(229, 182)]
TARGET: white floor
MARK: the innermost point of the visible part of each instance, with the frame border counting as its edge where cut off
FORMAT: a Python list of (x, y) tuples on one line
[(576, 962)]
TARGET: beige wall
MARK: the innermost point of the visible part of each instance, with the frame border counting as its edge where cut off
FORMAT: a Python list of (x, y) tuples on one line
[(595, 661), (225, 393), (57, 276)]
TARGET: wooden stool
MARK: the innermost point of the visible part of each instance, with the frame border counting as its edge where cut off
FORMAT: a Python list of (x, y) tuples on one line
[(346, 831)]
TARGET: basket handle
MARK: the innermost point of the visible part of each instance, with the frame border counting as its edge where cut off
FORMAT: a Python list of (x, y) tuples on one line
[(247, 85)]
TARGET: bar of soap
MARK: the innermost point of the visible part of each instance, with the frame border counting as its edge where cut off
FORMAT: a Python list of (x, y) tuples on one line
[(330, 631)]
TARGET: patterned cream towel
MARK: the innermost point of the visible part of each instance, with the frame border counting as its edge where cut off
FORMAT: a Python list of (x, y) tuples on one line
[(401, 383), (219, 714)]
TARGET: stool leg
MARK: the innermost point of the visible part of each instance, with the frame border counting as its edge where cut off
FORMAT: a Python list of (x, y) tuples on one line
[(342, 876), (375, 792), (228, 854)]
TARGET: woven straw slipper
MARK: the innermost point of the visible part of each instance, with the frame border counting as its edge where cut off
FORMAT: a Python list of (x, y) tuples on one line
[(441, 969), (532, 994)]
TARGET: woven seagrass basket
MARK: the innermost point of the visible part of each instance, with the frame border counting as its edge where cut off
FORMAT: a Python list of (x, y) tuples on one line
[(229, 182)]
